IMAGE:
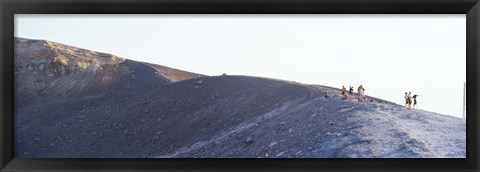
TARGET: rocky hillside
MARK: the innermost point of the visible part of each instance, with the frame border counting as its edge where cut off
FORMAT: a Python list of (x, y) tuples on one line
[(72, 102), (45, 69)]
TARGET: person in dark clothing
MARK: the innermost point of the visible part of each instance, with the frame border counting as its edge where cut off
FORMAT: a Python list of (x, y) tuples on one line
[(415, 101), (350, 92)]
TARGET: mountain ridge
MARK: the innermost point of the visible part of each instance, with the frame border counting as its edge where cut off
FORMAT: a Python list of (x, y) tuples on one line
[(129, 109)]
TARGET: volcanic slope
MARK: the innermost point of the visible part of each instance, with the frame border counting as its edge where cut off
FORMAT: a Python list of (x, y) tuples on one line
[(122, 108), (52, 69)]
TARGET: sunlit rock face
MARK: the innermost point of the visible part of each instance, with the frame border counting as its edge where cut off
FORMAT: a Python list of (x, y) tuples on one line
[(52, 69), (55, 59)]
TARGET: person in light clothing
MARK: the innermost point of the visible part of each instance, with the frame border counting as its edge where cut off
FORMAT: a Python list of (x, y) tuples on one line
[(361, 93)]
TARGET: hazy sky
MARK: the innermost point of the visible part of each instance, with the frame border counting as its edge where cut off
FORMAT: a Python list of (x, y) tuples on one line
[(388, 54)]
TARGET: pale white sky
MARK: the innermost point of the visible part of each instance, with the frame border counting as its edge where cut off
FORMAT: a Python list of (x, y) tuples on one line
[(388, 54)]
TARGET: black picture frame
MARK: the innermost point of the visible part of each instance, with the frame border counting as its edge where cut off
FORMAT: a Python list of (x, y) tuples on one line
[(10, 7)]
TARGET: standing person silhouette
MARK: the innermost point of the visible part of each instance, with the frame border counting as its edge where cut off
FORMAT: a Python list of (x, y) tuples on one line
[(415, 101), (409, 100), (344, 93), (360, 92), (350, 92)]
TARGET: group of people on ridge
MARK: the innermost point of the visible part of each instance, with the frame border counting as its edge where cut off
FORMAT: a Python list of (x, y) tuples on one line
[(408, 100), (360, 93), (361, 96)]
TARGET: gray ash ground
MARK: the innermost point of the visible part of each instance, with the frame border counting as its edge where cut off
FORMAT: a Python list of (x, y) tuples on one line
[(121, 108)]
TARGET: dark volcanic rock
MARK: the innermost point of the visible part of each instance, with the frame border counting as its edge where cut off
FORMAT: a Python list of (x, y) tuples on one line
[(71, 102)]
